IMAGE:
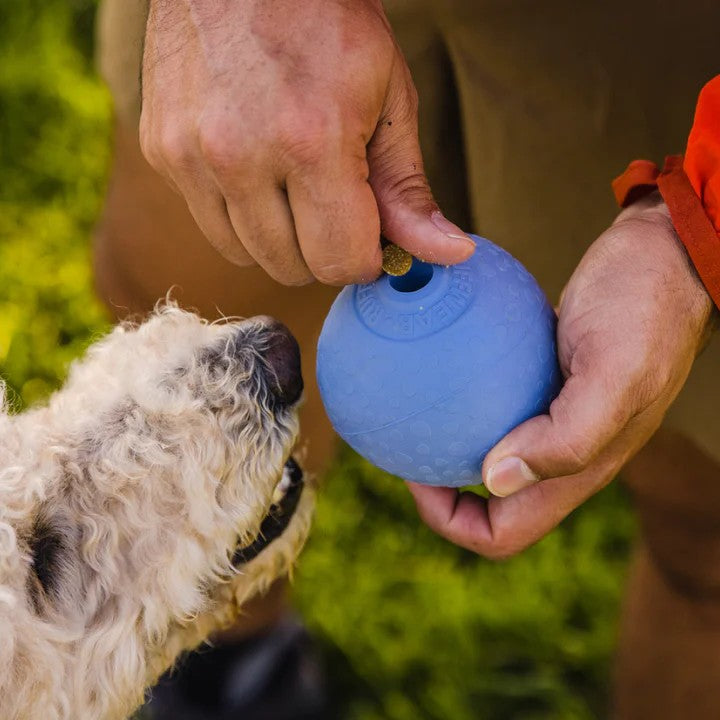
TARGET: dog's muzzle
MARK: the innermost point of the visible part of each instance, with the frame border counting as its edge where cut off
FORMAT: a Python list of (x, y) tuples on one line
[(285, 503)]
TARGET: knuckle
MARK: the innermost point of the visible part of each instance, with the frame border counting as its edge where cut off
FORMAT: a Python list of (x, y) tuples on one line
[(408, 189), (306, 138), (500, 550), (575, 450), (149, 147), (220, 150), (345, 258), (174, 147), (577, 453), (412, 99), (275, 251), (403, 98), (368, 263), (231, 249), (304, 149), (299, 280), (332, 274), (290, 275), (351, 269)]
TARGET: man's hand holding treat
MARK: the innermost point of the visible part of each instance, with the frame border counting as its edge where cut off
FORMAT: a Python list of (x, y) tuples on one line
[(290, 128)]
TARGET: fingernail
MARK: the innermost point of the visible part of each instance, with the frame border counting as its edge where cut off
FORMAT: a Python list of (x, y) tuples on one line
[(450, 229), (509, 475)]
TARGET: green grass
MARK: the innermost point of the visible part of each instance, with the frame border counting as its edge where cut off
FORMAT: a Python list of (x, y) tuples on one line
[(411, 627)]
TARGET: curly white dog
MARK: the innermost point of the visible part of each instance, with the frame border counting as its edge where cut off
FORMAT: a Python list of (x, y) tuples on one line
[(141, 507)]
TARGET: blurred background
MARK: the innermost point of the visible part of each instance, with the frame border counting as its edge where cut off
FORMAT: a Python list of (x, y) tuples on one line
[(409, 627)]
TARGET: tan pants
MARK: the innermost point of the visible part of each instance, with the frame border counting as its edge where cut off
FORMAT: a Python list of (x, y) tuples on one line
[(527, 111)]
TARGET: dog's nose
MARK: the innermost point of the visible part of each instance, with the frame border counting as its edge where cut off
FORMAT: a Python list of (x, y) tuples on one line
[(282, 356)]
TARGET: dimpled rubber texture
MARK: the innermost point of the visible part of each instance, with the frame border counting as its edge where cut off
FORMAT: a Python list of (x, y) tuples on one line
[(424, 382)]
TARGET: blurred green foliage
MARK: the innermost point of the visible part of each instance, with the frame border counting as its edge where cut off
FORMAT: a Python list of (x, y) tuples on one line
[(54, 153), (412, 627), (421, 629)]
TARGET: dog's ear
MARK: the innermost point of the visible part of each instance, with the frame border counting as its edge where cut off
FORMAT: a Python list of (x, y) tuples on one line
[(46, 547), (52, 547)]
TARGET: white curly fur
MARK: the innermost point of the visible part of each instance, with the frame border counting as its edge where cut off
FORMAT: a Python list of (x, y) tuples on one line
[(157, 458)]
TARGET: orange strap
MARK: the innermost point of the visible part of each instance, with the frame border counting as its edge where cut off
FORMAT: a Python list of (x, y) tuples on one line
[(690, 188)]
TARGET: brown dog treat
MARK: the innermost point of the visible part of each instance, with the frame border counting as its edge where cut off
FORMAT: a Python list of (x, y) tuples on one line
[(396, 261)]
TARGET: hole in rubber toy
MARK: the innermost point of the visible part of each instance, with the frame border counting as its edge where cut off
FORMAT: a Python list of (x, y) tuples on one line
[(414, 279)]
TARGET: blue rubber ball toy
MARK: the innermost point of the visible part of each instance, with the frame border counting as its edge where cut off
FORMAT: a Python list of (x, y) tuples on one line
[(422, 374)]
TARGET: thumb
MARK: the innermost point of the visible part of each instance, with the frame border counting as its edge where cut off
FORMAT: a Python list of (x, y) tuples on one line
[(409, 215), (586, 416)]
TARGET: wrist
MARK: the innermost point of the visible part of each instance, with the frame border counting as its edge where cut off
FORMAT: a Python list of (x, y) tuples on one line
[(653, 234), (690, 186), (638, 188)]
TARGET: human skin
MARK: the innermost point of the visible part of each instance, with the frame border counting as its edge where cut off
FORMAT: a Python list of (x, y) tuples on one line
[(631, 321), (294, 147), (290, 128)]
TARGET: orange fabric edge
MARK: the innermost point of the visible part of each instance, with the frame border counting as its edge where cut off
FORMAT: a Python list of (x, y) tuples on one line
[(692, 224), (639, 178)]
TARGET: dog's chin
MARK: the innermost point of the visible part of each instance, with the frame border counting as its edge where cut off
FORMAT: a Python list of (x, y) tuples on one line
[(284, 504)]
